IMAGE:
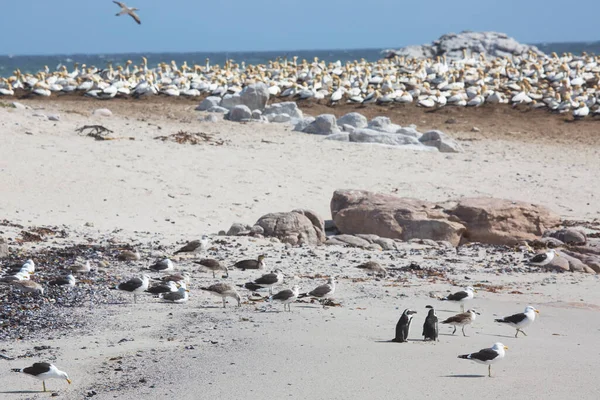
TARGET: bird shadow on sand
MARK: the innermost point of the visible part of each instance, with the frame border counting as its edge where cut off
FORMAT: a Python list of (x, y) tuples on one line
[(21, 391), (408, 341), (491, 334), (464, 376)]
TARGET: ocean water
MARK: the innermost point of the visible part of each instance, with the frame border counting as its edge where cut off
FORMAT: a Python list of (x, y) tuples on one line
[(32, 64)]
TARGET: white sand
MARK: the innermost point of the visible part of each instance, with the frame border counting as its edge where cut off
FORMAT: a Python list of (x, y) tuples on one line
[(57, 177)]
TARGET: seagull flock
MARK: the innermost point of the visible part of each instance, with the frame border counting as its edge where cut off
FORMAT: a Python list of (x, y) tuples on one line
[(172, 287)]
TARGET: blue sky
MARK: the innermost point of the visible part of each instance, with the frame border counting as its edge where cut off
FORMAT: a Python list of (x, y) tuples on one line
[(64, 26)]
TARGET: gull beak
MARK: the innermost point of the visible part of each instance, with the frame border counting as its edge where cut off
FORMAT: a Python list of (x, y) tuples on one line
[(68, 380), (187, 290), (537, 311), (505, 347)]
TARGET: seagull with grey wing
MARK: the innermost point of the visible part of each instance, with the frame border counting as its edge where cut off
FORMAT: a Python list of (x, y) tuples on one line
[(126, 10)]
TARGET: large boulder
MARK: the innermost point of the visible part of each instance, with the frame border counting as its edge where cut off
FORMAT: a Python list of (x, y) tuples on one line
[(255, 96), (568, 236), (240, 113), (324, 124), (302, 227), (353, 119), (383, 124), (287, 107), (370, 136), (359, 211), (303, 123), (499, 221), (210, 101), (451, 45), (441, 141)]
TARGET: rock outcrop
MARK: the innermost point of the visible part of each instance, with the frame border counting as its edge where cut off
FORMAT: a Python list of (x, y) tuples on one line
[(295, 227)]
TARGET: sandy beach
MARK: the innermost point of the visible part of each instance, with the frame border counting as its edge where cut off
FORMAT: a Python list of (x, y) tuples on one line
[(155, 195)]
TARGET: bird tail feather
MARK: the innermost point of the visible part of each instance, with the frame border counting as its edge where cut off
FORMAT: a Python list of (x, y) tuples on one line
[(465, 356), (16, 370), (500, 320)]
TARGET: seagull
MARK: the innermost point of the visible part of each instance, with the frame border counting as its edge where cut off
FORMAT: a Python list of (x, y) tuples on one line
[(374, 267), (163, 265), (195, 246), (543, 258), (127, 10), (169, 286), (268, 280), (251, 264), (81, 268), (44, 371), (461, 296), (323, 291), (135, 286), (65, 281), (487, 356), (179, 296), (520, 320), (223, 290), (463, 320), (128, 255), (213, 265), (286, 296)]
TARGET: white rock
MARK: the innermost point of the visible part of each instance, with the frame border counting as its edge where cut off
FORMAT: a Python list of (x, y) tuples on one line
[(54, 117), (287, 107), (19, 106), (255, 96), (209, 102), (324, 124), (441, 141), (341, 137), (102, 112), (353, 119), (240, 113)]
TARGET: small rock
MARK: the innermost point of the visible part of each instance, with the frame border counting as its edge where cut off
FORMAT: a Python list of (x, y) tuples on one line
[(475, 129), (257, 230), (240, 113), (324, 124), (40, 115), (441, 141), (211, 101), (353, 119), (3, 248), (102, 112), (303, 124), (287, 107), (229, 101), (218, 109), (54, 117), (279, 118), (210, 118), (237, 228), (256, 114), (255, 96)]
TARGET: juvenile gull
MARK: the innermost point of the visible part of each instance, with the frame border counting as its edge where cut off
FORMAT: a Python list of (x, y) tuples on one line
[(81, 268), (520, 320), (179, 296), (487, 356), (461, 297), (183, 277), (28, 286), (373, 266), (128, 255), (268, 280), (286, 296), (66, 281), (430, 326), (129, 11), (44, 371), (462, 320), (162, 265), (259, 263), (213, 265), (195, 246), (135, 286), (224, 290), (543, 258), (169, 286)]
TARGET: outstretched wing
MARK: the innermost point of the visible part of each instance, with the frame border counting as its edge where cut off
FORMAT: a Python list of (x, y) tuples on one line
[(119, 4), (135, 17)]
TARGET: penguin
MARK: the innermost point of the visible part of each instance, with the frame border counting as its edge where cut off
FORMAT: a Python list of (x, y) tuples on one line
[(430, 326), (403, 326)]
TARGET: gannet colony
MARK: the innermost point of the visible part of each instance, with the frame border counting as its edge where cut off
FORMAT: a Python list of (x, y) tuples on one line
[(566, 84)]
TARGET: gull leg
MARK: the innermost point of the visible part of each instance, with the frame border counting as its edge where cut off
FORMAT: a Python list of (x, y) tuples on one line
[(134, 298), (490, 370), (224, 302), (463, 330), (213, 274), (454, 331), (517, 334), (523, 332), (44, 384), (462, 307)]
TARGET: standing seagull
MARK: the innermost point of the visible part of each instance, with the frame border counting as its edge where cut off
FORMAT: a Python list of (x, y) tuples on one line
[(520, 320), (213, 265), (127, 10), (43, 371), (487, 356), (322, 292), (461, 297), (223, 290), (195, 246), (430, 327), (463, 320), (180, 296), (135, 286), (286, 296), (268, 280)]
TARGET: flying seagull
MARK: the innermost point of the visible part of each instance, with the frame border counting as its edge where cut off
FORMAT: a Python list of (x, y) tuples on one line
[(127, 10)]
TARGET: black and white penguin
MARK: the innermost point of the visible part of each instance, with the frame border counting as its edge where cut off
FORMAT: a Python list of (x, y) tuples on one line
[(430, 326), (403, 326)]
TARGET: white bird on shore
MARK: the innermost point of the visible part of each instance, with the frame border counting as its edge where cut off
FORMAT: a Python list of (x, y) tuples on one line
[(286, 297), (461, 297), (543, 258), (487, 356), (135, 286), (44, 371), (520, 320), (129, 11)]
